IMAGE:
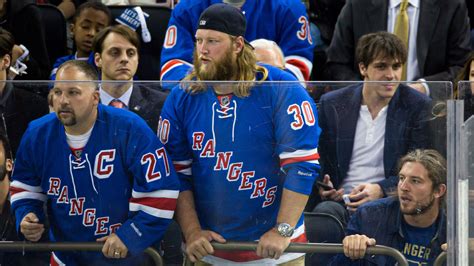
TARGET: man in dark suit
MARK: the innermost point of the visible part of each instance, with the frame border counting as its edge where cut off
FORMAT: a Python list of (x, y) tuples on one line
[(436, 53), (116, 54), (366, 128)]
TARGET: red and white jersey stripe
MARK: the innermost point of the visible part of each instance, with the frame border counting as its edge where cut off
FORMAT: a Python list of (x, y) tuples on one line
[(172, 64), (310, 156), (183, 167), (160, 203), (19, 190), (55, 261), (251, 258)]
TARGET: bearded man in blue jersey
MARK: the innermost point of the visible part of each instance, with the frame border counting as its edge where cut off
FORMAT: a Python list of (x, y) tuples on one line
[(245, 152), (101, 171)]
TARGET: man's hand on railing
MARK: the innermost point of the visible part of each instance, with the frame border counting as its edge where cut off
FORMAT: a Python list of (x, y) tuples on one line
[(31, 228), (113, 247), (444, 247), (355, 246), (272, 244), (198, 244)]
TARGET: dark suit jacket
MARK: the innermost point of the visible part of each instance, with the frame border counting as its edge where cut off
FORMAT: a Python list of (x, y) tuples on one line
[(406, 129), (147, 103), (18, 108), (442, 43), (24, 21)]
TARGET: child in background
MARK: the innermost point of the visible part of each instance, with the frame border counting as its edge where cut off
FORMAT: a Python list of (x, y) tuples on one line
[(89, 19)]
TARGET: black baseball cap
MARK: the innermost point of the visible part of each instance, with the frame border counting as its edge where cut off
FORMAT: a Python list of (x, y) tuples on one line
[(224, 18)]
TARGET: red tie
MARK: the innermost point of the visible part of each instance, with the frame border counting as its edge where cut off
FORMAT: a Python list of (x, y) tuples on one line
[(117, 103)]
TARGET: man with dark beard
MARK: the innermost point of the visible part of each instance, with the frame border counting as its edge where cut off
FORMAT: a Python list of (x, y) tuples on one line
[(7, 220), (414, 222), (245, 150)]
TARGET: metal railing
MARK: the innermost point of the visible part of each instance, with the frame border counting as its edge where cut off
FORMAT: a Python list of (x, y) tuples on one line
[(441, 259), (10, 246), (311, 248)]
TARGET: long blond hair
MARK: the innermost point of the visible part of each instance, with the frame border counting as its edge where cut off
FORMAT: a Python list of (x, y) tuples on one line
[(247, 69)]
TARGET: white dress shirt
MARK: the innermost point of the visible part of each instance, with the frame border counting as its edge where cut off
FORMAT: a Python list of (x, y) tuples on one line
[(105, 98), (366, 165)]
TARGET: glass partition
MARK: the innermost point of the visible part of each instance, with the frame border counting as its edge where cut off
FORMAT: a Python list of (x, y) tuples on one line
[(468, 150), (465, 91), (464, 193), (235, 146)]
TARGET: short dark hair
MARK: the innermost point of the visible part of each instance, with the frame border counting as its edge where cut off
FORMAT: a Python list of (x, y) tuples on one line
[(6, 42), (121, 30), (82, 66), (380, 44), (97, 5)]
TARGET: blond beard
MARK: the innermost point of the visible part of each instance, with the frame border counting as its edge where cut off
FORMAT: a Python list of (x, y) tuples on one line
[(223, 69)]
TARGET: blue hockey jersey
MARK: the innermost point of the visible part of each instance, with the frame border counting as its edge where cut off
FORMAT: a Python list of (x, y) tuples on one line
[(237, 154), (283, 21), (121, 183), (61, 60)]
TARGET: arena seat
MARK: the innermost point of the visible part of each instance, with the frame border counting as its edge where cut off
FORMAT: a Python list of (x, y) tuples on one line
[(322, 228)]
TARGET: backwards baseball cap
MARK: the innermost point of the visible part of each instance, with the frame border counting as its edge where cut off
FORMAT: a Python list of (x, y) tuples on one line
[(224, 18)]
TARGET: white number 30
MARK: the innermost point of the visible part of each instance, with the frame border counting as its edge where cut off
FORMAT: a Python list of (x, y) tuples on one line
[(302, 115)]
